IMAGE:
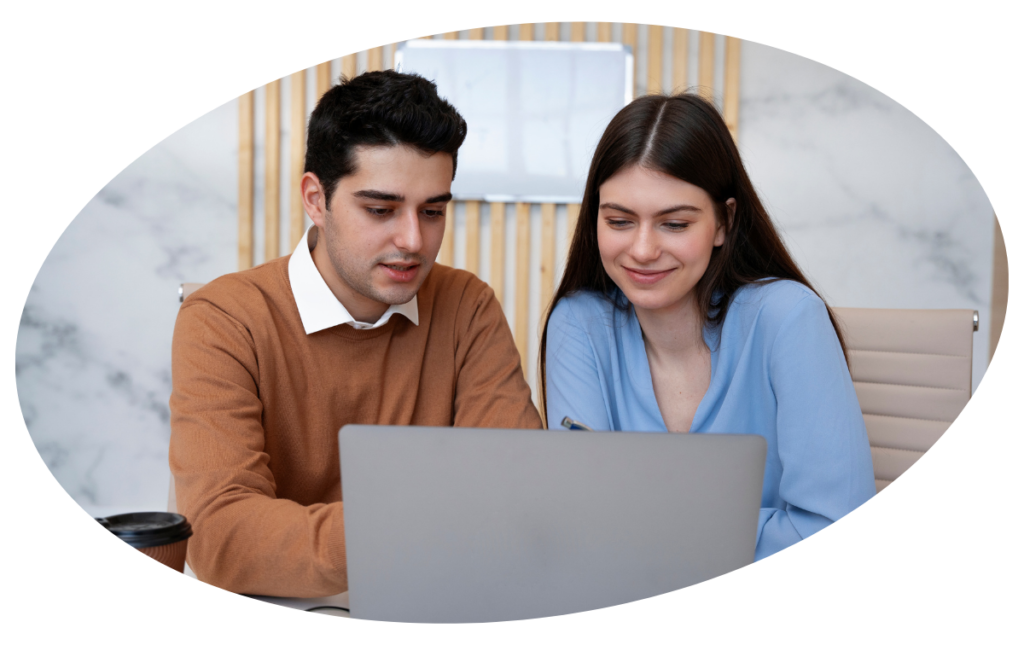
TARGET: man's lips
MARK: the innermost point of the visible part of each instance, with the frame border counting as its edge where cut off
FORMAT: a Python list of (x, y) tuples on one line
[(400, 271)]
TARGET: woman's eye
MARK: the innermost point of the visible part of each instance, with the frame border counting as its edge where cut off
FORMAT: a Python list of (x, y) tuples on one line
[(676, 226), (618, 223)]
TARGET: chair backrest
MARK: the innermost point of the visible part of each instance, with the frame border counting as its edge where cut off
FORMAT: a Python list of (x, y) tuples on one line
[(912, 372), (184, 291)]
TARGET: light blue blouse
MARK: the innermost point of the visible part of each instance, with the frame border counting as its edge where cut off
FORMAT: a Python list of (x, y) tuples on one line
[(777, 370)]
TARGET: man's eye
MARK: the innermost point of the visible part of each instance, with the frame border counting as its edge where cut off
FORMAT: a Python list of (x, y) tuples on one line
[(380, 212), (433, 213)]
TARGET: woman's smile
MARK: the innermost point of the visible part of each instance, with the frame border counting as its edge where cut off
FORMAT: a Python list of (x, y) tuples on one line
[(655, 234), (647, 276)]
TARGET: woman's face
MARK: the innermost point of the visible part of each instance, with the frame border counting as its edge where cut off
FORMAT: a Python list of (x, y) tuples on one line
[(656, 234)]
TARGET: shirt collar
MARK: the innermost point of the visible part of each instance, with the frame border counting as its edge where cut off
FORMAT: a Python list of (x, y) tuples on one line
[(318, 307)]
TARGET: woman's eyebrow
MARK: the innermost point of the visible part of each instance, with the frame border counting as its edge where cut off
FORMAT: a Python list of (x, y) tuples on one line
[(665, 211)]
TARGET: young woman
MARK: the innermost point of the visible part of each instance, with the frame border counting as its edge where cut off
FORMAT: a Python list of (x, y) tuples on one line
[(682, 311)]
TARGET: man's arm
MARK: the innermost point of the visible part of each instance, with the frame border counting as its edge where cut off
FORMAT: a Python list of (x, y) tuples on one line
[(245, 540), (490, 389)]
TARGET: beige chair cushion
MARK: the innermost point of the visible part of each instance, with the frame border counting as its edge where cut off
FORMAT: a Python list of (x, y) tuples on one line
[(912, 372)]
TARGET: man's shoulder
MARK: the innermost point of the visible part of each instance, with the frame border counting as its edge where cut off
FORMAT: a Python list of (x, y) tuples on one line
[(245, 294), (450, 287)]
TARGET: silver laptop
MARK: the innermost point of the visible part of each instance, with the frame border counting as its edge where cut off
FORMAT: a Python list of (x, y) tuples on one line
[(476, 525)]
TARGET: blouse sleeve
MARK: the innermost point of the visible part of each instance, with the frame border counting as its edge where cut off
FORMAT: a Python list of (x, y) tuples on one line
[(574, 382), (822, 441)]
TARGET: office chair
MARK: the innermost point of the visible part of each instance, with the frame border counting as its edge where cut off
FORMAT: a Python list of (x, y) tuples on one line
[(912, 372), (184, 291)]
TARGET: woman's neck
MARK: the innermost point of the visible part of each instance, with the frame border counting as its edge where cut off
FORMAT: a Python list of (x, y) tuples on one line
[(673, 333)]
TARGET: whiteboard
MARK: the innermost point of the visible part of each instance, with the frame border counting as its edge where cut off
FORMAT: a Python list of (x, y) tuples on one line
[(535, 111)]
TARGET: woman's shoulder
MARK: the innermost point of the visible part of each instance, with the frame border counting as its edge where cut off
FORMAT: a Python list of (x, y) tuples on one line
[(769, 303), (774, 295), (589, 311)]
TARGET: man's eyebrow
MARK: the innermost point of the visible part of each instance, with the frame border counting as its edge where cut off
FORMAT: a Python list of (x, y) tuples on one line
[(394, 197), (437, 199), (379, 194), (665, 211)]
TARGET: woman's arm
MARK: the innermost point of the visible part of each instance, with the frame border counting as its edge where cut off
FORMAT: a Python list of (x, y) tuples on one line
[(822, 442), (574, 381)]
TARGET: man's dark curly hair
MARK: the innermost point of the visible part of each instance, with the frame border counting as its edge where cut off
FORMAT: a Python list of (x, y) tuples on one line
[(383, 108)]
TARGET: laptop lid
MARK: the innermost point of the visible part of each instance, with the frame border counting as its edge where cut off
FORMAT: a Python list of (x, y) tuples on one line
[(476, 525)]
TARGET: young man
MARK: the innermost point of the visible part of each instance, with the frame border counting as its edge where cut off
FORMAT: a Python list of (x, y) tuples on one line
[(356, 326)]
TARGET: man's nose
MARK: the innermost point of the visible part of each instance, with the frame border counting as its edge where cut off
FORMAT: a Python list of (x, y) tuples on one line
[(408, 237)]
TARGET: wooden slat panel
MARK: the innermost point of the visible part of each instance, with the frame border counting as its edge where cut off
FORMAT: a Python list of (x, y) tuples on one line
[(447, 252), (297, 158), (501, 32), (1000, 288), (604, 32), (473, 237), (246, 170), (391, 49), (374, 59), (654, 56), (498, 250), (629, 38), (547, 255), (451, 35), (476, 34), (348, 66), (522, 281), (272, 176), (578, 32), (551, 30), (731, 91), (680, 59), (572, 216), (706, 65), (526, 31), (323, 78)]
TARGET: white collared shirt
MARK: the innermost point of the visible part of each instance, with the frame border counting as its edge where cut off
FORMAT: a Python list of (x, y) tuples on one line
[(318, 307)]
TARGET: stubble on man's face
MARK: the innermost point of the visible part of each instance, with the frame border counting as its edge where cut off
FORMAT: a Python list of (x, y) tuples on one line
[(384, 226), (357, 274)]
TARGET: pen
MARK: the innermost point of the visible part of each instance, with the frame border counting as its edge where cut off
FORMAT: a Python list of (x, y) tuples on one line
[(574, 425)]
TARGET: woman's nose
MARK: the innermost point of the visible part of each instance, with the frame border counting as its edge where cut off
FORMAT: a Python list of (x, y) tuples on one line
[(645, 245)]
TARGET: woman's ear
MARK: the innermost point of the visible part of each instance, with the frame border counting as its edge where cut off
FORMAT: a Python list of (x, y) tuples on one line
[(723, 228)]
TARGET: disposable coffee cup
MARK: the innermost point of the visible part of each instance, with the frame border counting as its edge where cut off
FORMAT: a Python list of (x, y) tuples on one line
[(161, 536)]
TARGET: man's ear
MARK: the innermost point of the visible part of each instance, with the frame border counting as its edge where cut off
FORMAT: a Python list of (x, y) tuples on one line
[(314, 200), (724, 228)]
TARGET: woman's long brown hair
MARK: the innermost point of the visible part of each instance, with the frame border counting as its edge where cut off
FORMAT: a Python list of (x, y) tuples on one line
[(683, 136)]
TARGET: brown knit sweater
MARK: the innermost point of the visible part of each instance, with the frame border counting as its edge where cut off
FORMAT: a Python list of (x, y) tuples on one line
[(256, 406)]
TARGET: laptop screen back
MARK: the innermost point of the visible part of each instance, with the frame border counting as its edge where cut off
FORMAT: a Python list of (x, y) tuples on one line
[(474, 525)]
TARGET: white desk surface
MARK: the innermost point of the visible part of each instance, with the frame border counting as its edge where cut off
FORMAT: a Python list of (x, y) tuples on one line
[(299, 604)]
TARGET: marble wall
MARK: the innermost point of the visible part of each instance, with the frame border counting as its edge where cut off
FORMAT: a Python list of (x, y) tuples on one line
[(877, 209)]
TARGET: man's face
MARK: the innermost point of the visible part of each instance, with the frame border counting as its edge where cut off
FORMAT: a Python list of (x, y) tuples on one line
[(383, 228)]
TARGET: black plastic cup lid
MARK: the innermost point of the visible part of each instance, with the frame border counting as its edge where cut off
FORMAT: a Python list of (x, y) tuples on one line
[(143, 530)]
